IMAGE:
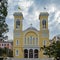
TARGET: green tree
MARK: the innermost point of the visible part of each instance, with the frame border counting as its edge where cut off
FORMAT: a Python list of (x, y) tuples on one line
[(53, 50), (3, 8), (1, 51), (3, 14), (10, 54), (5, 52)]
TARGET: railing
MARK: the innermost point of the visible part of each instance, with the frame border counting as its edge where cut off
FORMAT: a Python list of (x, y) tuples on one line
[(30, 59)]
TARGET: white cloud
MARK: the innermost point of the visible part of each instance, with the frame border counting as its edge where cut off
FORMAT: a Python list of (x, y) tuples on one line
[(31, 10), (25, 4), (52, 8), (57, 16)]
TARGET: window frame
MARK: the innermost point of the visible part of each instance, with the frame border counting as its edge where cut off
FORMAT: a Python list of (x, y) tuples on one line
[(44, 42), (17, 42), (16, 54), (17, 21), (44, 23)]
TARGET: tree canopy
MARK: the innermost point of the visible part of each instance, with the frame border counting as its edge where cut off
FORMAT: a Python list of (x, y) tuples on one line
[(5, 52), (3, 14), (53, 50)]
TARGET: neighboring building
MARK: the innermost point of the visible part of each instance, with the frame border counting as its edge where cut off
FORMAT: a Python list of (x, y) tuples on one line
[(1, 39), (6, 44), (27, 43), (56, 38)]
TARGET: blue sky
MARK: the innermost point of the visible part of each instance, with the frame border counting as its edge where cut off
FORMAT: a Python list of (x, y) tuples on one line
[(31, 10)]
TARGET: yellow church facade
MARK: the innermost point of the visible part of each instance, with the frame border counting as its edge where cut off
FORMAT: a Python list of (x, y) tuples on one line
[(28, 43)]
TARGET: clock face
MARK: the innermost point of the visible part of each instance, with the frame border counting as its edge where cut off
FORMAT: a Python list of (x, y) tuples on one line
[(17, 23)]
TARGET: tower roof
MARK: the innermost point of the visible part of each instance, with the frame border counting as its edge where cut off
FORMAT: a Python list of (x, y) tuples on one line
[(44, 14), (18, 14)]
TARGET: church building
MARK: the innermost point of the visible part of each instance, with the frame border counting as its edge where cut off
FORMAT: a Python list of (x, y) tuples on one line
[(27, 43)]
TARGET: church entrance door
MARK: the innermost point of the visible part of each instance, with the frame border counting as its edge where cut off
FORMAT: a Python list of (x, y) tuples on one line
[(31, 53)]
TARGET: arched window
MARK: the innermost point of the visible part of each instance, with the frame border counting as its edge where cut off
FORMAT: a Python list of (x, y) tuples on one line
[(18, 23), (36, 41), (30, 39), (17, 53), (25, 53), (44, 23), (31, 53), (26, 41), (17, 42), (35, 53), (33, 40)]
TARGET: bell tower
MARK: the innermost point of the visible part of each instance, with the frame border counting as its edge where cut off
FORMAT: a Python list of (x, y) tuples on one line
[(18, 33), (18, 17), (43, 17), (44, 31)]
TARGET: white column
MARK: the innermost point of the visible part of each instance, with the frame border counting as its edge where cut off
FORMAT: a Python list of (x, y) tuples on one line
[(29, 40), (28, 53), (32, 40), (26, 41), (38, 41), (33, 53), (35, 41)]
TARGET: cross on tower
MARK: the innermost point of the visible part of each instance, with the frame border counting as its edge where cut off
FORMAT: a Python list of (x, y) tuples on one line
[(45, 9), (19, 9)]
